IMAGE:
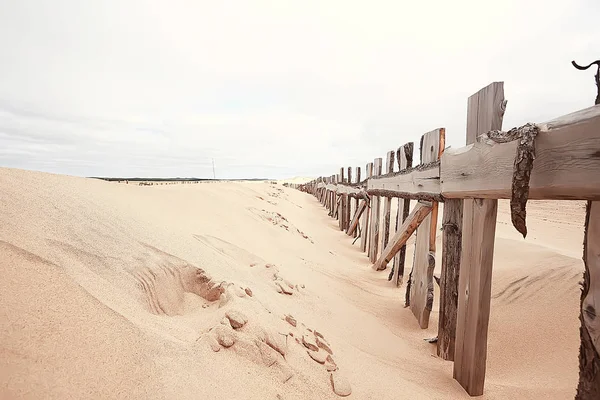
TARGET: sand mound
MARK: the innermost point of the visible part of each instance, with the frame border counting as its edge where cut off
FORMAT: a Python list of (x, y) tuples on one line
[(190, 291)]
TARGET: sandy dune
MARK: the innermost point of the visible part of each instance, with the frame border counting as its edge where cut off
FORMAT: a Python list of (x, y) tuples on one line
[(191, 291)]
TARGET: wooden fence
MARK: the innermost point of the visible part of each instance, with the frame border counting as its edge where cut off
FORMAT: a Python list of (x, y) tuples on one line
[(494, 165)]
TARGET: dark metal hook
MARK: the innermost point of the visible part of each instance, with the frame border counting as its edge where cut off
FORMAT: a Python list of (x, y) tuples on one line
[(597, 76)]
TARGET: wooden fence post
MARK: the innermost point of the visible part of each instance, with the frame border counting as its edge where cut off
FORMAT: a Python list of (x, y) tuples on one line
[(342, 209), (375, 211), (332, 198), (484, 113), (356, 201), (421, 285), (365, 233), (451, 248), (589, 349), (387, 205), (348, 200), (404, 155)]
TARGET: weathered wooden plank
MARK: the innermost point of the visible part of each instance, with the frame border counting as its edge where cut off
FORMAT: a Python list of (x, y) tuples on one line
[(418, 214), (356, 218), (387, 204), (566, 166), (375, 211), (484, 113), (365, 234), (589, 349), (421, 286), (451, 250), (417, 182), (404, 156)]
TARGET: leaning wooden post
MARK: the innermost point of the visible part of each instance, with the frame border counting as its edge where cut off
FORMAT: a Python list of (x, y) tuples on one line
[(387, 205), (484, 113), (404, 155), (364, 235), (356, 200), (421, 285), (375, 211)]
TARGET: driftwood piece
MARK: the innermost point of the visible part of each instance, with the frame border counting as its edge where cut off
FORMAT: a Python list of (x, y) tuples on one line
[(522, 169)]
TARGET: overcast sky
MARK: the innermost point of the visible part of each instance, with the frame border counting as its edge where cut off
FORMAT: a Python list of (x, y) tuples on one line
[(272, 88)]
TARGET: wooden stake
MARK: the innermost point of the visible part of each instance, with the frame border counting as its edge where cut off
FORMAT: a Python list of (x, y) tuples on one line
[(364, 236), (404, 155), (434, 209), (387, 205), (341, 212), (484, 113), (357, 200), (451, 248), (375, 211), (421, 287), (348, 203)]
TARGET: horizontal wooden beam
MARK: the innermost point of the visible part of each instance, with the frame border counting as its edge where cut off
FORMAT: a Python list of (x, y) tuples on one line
[(422, 182), (566, 167), (418, 214)]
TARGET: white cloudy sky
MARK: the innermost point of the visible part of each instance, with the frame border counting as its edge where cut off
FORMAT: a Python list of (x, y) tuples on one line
[(272, 88)]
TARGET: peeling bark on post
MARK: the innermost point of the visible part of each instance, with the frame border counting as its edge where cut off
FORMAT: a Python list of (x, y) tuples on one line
[(522, 169)]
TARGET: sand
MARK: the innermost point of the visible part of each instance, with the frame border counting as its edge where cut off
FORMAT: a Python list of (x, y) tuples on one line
[(221, 290)]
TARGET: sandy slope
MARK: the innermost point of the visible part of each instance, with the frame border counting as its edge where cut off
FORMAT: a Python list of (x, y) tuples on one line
[(115, 291)]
